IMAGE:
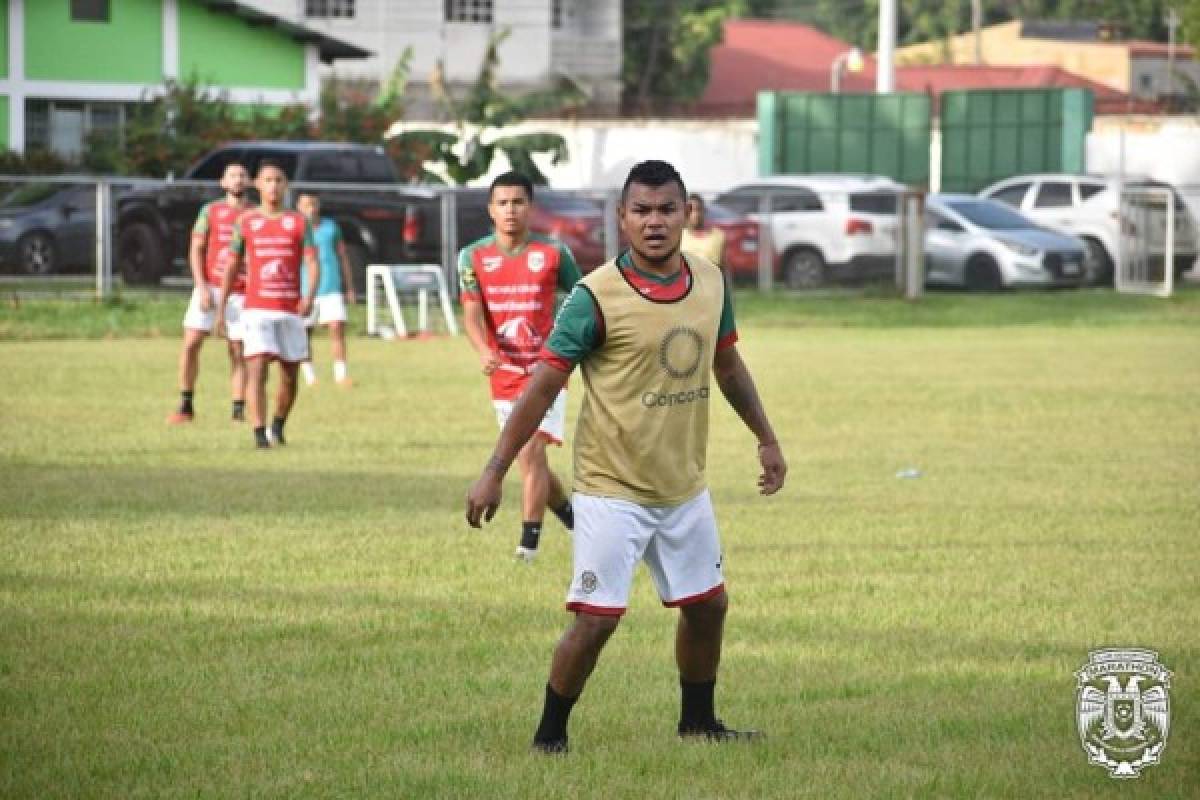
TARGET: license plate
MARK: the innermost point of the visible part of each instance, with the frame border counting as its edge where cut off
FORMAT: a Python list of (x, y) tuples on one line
[(1070, 268)]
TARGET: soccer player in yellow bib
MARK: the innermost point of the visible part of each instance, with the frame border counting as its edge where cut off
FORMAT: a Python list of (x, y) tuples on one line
[(648, 331), (706, 241)]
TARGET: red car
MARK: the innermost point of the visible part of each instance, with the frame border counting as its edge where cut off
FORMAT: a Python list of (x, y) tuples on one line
[(575, 221), (741, 241)]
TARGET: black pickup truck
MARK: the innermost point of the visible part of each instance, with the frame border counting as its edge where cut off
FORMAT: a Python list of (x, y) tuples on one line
[(393, 225)]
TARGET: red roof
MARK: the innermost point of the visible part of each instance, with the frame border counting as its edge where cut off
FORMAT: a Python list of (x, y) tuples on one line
[(758, 55), (1138, 47)]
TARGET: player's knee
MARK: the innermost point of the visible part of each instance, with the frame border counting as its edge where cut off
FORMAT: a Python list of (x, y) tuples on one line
[(709, 611), (595, 629)]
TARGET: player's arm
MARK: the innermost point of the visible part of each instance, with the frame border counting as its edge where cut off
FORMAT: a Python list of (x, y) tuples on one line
[(314, 270), (197, 249), (347, 281), (474, 320), (540, 392), (237, 253), (739, 390)]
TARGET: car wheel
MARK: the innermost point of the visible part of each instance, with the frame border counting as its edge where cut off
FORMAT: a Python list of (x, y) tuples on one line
[(140, 255), (804, 269), (983, 274), (37, 254), (1098, 265)]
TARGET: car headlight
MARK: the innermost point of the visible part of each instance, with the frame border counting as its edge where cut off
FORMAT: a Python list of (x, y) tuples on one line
[(1021, 248)]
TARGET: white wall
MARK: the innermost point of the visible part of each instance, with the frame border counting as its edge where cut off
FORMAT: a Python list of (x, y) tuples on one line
[(710, 154), (1167, 151)]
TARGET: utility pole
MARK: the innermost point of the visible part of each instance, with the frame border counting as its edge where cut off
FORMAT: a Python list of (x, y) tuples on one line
[(1172, 21), (885, 61), (977, 27)]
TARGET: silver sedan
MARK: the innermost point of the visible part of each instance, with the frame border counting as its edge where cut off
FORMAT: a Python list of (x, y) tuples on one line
[(982, 244)]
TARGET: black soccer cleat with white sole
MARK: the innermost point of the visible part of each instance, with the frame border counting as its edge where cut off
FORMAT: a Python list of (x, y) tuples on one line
[(717, 732), (550, 747)]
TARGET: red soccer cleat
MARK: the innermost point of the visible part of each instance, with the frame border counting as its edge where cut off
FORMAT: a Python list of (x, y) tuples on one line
[(179, 418)]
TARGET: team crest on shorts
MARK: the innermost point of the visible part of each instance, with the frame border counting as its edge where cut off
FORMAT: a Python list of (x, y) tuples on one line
[(1123, 709), (588, 581), (536, 261)]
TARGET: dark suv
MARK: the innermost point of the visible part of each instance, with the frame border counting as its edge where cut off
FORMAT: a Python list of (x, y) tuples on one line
[(397, 225)]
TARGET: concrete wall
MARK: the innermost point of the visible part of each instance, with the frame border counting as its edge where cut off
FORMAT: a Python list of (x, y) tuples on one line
[(1145, 142)]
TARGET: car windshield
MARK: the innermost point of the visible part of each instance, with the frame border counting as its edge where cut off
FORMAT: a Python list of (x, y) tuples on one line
[(28, 194), (990, 215)]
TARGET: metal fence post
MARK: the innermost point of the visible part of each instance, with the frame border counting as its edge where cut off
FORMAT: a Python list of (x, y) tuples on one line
[(612, 236), (766, 247), (104, 272), (449, 224), (914, 245)]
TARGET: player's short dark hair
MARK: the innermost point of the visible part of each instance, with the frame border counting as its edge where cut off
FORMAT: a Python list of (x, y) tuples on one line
[(270, 162), (308, 193), (654, 174), (512, 178), (234, 164)]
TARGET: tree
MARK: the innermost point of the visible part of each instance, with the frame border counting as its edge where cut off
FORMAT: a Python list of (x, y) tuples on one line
[(464, 148), (666, 49)]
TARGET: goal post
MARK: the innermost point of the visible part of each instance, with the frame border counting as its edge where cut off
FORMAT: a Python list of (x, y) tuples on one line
[(1146, 247)]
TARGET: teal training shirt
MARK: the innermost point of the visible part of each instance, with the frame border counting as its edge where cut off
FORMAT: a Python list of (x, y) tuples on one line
[(327, 235)]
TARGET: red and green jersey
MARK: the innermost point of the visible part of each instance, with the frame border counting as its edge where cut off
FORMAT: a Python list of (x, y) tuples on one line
[(579, 328), (215, 226), (517, 290), (275, 248)]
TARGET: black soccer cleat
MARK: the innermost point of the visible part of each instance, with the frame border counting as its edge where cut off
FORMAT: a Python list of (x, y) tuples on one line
[(552, 747), (716, 732)]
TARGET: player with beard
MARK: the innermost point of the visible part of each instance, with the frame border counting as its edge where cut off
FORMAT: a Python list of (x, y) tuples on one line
[(508, 281), (208, 257), (648, 331), (272, 243)]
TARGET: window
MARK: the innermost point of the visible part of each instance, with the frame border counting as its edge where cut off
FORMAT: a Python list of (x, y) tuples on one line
[(325, 9), (741, 202), (1087, 190), (89, 10), (331, 168), (376, 168), (1054, 195), (469, 11), (64, 127), (1011, 195), (795, 201), (285, 160), (213, 167), (873, 202)]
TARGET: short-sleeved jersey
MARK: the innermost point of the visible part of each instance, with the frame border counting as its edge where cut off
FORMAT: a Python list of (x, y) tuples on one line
[(274, 248), (326, 235), (215, 225), (517, 291), (708, 243)]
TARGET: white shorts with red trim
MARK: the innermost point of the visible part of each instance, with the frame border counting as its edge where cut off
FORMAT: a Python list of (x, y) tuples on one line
[(275, 333), (552, 425), (678, 543), (327, 308), (197, 319)]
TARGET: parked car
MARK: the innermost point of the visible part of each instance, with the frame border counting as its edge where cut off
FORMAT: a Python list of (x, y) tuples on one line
[(48, 228), (983, 244), (741, 241), (1088, 206), (399, 225), (825, 228)]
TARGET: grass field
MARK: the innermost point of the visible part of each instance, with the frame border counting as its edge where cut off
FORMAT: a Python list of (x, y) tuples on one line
[(183, 616)]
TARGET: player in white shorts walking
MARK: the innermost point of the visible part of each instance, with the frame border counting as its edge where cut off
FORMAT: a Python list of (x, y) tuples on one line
[(272, 242), (649, 331), (208, 257), (334, 292)]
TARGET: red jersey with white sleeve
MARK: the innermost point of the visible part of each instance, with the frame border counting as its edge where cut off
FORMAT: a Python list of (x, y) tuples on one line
[(517, 290), (215, 224), (274, 247)]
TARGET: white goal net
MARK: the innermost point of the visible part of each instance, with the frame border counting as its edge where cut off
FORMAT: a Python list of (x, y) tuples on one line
[(1146, 255)]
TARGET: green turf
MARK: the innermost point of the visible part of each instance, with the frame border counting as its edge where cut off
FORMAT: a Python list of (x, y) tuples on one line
[(183, 616)]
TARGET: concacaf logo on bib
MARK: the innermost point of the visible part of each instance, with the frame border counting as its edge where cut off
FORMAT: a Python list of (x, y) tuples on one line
[(1123, 709), (536, 261)]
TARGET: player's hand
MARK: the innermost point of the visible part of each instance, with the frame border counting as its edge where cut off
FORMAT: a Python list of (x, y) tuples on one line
[(306, 306), (484, 498), (219, 324), (490, 361), (774, 468), (206, 301)]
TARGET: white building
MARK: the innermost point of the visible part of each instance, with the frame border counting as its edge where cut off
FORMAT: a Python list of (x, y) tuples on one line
[(548, 39)]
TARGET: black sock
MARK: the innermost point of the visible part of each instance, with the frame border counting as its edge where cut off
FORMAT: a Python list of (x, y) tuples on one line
[(239, 409), (277, 425), (185, 402), (565, 514), (697, 710), (555, 713), (260, 436), (530, 533)]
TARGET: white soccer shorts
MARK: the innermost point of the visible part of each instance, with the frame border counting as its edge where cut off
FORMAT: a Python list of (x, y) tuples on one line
[(552, 425), (327, 308), (198, 320), (275, 333), (678, 543)]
